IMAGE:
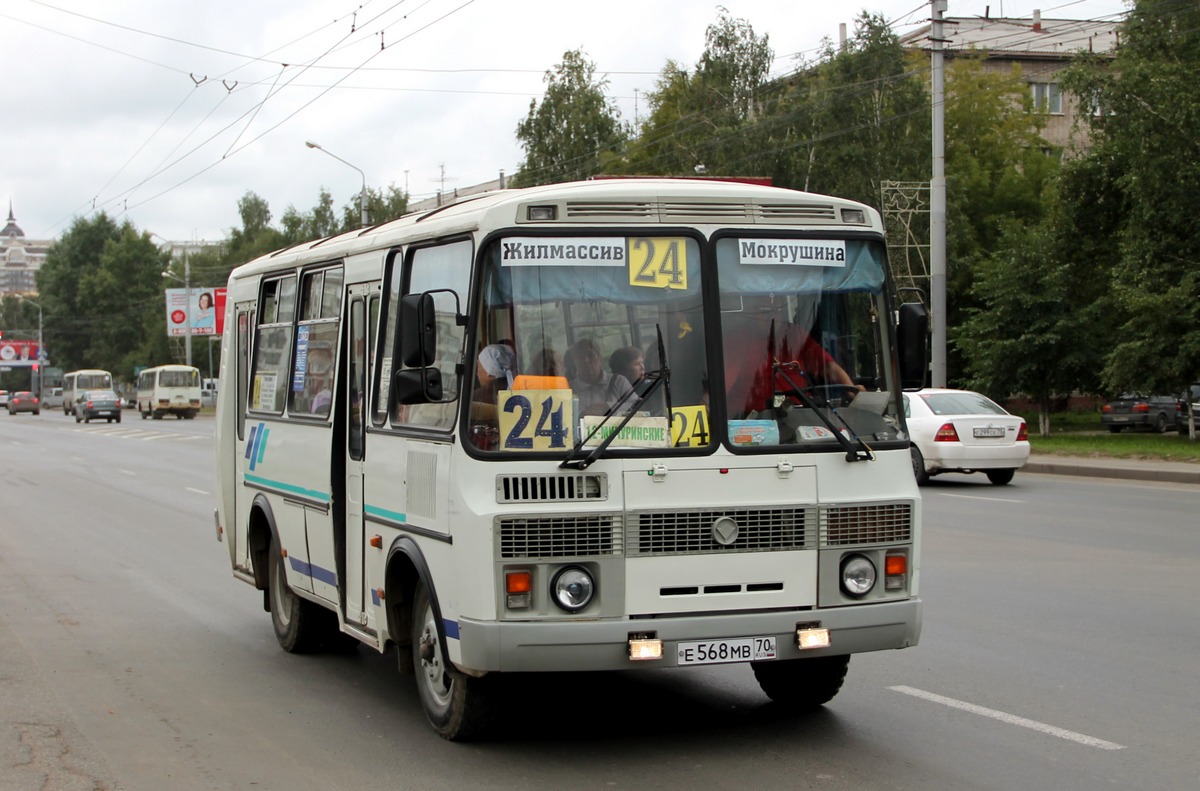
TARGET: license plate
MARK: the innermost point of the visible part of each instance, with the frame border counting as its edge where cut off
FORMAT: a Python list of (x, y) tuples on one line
[(1120, 419), (984, 433), (715, 652)]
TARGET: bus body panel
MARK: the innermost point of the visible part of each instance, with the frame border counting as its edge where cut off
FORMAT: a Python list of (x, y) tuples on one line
[(169, 390)]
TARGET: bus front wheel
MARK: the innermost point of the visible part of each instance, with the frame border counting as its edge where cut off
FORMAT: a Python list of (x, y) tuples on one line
[(802, 683), (298, 623), (455, 704)]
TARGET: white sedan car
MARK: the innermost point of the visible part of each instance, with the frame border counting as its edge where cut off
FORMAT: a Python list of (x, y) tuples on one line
[(962, 431)]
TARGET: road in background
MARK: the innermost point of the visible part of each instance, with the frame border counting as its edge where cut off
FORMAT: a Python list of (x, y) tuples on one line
[(1060, 634)]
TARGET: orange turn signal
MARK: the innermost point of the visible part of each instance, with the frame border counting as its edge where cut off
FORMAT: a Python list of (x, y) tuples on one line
[(518, 582), (895, 564)]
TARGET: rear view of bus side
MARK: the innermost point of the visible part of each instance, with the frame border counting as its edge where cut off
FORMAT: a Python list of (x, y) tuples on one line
[(634, 423)]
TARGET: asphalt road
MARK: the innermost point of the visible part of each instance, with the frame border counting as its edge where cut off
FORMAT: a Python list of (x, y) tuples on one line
[(1061, 630)]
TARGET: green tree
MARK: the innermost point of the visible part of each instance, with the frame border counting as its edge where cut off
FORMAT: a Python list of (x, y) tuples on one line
[(1144, 114), (709, 117), (565, 136), (99, 282)]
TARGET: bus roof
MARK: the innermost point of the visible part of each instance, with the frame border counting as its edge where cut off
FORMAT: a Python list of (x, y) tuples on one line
[(631, 201)]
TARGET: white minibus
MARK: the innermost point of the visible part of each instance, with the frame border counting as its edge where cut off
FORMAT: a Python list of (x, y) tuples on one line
[(76, 383), (427, 441), (168, 390)]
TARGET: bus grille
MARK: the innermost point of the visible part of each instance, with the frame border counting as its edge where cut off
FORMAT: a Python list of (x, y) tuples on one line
[(876, 523), (576, 535), (692, 532), (551, 488)]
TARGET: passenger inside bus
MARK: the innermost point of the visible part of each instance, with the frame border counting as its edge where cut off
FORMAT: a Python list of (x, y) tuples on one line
[(596, 390), (495, 369), (755, 338)]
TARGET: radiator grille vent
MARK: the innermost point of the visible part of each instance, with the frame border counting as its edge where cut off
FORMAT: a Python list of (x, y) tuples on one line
[(551, 488), (783, 212), (579, 210), (691, 532), (854, 525), (560, 536), (716, 211)]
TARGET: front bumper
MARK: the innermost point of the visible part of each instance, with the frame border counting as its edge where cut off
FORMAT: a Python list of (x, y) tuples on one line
[(529, 646)]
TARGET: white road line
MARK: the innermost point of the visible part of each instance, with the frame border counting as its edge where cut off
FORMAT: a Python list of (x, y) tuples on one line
[(197, 491), (130, 473), (1011, 719), (977, 497)]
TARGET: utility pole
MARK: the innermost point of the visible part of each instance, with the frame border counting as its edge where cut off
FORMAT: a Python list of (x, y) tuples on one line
[(937, 202), (187, 284)]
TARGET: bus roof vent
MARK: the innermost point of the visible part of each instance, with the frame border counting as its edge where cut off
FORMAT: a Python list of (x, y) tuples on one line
[(796, 212), (551, 488), (698, 211), (609, 210)]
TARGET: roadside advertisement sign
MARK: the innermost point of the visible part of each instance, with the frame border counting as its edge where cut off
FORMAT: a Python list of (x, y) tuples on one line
[(206, 309), (19, 353)]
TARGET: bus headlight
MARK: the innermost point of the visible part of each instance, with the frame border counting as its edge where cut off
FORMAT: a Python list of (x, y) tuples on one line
[(858, 576), (572, 588)]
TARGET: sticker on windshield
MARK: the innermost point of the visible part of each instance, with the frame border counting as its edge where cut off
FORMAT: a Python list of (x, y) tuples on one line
[(639, 432), (658, 263), (535, 419), (792, 252)]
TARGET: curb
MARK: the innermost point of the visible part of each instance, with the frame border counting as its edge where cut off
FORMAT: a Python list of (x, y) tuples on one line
[(1174, 474)]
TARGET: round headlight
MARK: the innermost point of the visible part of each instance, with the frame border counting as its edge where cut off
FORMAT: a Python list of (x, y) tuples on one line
[(858, 575), (572, 588)]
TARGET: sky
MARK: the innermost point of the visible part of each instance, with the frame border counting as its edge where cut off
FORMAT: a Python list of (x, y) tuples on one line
[(167, 113)]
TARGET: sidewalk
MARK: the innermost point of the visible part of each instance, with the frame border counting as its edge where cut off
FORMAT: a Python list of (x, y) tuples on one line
[(1129, 469)]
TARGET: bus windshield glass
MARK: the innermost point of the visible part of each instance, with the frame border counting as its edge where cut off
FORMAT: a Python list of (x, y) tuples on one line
[(179, 378), (101, 380), (803, 352), (570, 331)]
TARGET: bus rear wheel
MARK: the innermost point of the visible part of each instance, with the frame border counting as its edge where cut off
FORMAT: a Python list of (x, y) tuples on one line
[(456, 705), (802, 683)]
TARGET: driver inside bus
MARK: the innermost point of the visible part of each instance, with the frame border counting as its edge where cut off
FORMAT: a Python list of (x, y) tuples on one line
[(758, 336)]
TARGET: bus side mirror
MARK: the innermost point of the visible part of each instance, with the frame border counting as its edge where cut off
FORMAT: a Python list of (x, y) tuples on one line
[(418, 386), (418, 330), (912, 338)]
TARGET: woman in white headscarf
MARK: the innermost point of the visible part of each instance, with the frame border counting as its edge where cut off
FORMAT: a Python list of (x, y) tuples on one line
[(494, 371)]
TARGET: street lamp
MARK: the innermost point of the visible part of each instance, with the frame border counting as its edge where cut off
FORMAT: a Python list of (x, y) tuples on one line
[(38, 363), (187, 306), (362, 197)]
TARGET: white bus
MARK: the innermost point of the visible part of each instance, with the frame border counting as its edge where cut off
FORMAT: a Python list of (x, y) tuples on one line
[(76, 383), (168, 390), (749, 501)]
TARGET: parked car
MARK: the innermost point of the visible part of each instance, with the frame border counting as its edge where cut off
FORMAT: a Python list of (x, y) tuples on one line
[(23, 401), (52, 398), (964, 431), (98, 404), (1136, 410), (3, 398), (1189, 396)]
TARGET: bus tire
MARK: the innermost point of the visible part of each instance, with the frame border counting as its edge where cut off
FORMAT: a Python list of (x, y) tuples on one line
[(298, 623), (802, 683), (455, 704)]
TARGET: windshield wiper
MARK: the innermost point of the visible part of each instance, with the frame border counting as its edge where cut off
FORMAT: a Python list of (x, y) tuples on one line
[(860, 453), (630, 402)]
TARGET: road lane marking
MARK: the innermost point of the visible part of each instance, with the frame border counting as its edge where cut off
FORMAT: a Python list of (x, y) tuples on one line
[(130, 473), (980, 497), (1011, 719)]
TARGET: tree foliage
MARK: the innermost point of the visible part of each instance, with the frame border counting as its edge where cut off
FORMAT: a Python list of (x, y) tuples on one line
[(1145, 111), (574, 126)]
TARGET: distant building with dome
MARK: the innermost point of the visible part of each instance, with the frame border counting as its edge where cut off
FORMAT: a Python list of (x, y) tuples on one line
[(20, 258)]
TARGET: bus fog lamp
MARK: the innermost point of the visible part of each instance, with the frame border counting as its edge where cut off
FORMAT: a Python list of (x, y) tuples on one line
[(644, 648), (572, 588), (812, 638), (858, 576)]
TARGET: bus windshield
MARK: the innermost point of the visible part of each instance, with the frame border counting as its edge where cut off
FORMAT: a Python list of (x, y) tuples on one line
[(93, 381), (803, 352), (569, 327), (179, 378)]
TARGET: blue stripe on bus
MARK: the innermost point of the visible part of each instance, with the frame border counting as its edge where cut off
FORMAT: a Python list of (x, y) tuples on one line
[(450, 628), (315, 494), (310, 570), (384, 513)]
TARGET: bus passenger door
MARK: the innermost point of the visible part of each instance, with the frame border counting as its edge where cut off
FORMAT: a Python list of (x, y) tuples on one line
[(355, 450)]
